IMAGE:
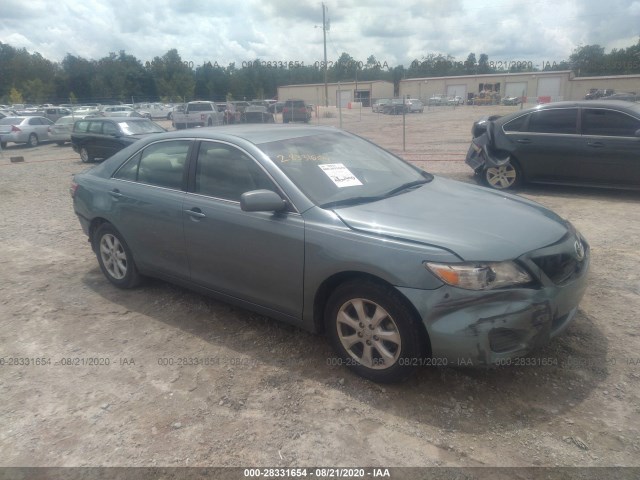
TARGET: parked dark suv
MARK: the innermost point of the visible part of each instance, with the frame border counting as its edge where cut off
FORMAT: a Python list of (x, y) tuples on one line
[(295, 111), (102, 137)]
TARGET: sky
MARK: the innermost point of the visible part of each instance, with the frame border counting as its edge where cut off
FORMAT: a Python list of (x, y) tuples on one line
[(225, 31)]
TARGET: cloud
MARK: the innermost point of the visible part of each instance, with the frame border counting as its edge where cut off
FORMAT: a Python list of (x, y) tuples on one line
[(227, 31)]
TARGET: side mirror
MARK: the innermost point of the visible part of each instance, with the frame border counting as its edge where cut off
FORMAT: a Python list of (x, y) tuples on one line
[(262, 201)]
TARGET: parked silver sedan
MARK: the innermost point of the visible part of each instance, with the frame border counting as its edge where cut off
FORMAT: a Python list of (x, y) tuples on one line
[(322, 229), (60, 131), (30, 130)]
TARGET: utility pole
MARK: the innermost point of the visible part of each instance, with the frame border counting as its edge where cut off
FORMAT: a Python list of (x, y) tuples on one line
[(324, 34)]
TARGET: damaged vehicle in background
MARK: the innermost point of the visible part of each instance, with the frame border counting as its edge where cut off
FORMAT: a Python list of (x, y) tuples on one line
[(588, 142), (464, 274), (257, 114)]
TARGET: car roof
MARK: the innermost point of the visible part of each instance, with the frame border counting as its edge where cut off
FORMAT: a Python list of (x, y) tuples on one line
[(618, 104), (254, 133), (621, 105), (22, 118), (72, 117), (116, 118)]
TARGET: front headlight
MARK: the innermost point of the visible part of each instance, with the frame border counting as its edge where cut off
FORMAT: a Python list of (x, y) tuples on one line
[(480, 276)]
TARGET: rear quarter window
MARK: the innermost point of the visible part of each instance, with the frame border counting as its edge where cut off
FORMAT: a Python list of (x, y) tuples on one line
[(516, 125), (554, 120), (81, 126)]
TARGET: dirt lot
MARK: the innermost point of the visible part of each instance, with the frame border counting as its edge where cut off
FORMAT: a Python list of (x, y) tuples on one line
[(270, 396)]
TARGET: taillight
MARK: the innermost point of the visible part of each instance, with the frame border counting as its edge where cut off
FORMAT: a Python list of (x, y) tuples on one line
[(285, 109), (73, 188), (15, 129)]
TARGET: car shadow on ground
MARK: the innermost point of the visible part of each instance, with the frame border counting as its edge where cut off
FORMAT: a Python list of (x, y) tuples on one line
[(543, 386)]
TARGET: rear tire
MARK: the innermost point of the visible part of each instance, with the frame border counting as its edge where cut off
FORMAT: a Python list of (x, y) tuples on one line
[(114, 257), (503, 177), (33, 140), (85, 156)]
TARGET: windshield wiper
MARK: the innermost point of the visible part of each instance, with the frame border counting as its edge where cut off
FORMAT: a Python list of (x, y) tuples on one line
[(351, 201), (406, 186), (375, 198)]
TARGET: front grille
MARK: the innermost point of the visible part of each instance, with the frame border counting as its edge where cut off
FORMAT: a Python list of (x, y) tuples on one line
[(559, 267)]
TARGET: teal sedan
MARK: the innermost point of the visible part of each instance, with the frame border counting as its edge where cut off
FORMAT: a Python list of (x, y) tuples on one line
[(329, 232)]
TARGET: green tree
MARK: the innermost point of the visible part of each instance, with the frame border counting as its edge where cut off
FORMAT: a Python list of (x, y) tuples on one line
[(15, 96), (483, 64), (79, 74), (173, 77), (588, 60), (470, 64)]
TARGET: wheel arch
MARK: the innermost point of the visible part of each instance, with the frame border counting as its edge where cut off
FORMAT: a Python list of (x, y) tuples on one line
[(94, 225), (328, 286)]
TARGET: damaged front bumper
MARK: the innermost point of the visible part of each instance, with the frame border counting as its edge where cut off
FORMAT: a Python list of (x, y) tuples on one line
[(482, 328)]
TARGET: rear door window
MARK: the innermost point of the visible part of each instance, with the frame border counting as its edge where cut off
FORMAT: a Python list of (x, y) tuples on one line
[(95, 127), (554, 120), (161, 164)]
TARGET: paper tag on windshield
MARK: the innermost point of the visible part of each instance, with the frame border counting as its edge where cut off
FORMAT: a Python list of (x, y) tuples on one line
[(340, 175)]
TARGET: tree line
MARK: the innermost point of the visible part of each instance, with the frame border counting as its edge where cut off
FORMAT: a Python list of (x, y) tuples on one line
[(119, 77)]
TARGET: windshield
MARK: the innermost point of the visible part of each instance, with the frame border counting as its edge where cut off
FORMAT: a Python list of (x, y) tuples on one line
[(136, 128), (338, 168)]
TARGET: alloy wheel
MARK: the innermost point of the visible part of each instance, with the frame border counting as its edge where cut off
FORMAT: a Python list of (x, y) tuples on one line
[(368, 333), (501, 177), (113, 256)]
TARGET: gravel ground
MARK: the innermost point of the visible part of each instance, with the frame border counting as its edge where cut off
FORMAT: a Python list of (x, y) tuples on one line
[(268, 394)]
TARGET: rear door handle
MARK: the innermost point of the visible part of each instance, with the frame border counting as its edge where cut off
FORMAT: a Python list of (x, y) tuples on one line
[(596, 144), (523, 140), (115, 193), (195, 213)]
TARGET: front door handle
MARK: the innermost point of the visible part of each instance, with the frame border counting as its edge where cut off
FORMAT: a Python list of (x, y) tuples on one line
[(115, 193), (523, 140), (195, 213), (596, 144)]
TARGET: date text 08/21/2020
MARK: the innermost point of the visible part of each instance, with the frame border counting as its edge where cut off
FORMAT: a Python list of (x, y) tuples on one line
[(290, 64)]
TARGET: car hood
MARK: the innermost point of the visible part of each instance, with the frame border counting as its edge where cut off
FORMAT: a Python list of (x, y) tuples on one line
[(475, 223)]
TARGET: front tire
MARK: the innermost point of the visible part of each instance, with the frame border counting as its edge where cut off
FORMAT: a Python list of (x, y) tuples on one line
[(374, 331), (503, 177), (85, 156), (114, 257)]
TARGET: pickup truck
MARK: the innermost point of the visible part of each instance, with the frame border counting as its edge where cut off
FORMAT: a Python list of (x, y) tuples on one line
[(197, 114)]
